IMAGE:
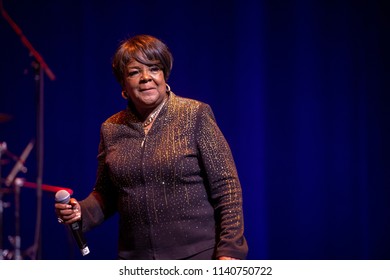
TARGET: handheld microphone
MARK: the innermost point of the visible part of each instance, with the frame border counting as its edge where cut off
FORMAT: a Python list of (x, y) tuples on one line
[(63, 196)]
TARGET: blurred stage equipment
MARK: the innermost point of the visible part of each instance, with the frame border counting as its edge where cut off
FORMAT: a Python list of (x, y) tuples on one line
[(40, 68), (12, 185), (18, 167), (3, 148)]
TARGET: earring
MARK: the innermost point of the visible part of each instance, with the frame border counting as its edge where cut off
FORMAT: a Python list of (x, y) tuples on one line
[(168, 88)]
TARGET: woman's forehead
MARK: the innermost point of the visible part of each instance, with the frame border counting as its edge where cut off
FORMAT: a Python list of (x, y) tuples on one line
[(141, 61)]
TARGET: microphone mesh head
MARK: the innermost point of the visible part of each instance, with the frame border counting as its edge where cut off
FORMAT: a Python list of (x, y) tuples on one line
[(62, 196)]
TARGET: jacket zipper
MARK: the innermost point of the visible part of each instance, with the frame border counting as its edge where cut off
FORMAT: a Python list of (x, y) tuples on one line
[(143, 141)]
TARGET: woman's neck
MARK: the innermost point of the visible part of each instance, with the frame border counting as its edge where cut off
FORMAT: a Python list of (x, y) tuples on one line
[(144, 113)]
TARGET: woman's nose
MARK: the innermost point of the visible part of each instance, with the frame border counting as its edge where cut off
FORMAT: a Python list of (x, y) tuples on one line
[(145, 75)]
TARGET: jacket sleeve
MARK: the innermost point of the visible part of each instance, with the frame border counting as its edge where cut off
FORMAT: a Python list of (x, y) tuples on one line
[(101, 202), (224, 186)]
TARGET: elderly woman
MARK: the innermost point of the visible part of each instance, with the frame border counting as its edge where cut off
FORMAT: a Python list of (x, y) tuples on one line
[(164, 166)]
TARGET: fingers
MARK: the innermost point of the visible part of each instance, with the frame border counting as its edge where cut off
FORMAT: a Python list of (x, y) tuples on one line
[(226, 258), (74, 203), (68, 213), (62, 206), (68, 216)]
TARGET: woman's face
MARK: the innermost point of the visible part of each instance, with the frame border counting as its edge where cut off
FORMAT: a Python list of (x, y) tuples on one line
[(145, 85)]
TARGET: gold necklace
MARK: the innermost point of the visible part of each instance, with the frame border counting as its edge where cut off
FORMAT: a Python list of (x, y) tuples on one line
[(153, 115)]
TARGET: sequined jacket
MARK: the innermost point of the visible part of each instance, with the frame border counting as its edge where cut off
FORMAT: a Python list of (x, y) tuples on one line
[(176, 189)]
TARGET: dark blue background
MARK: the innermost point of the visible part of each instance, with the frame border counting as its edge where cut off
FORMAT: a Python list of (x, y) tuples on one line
[(299, 88)]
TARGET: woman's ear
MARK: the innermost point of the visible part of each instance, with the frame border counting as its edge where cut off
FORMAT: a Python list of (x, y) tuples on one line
[(124, 95)]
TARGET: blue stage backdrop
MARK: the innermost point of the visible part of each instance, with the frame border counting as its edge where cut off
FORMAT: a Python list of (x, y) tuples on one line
[(299, 88)]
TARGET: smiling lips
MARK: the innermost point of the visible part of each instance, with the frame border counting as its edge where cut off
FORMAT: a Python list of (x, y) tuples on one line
[(145, 89)]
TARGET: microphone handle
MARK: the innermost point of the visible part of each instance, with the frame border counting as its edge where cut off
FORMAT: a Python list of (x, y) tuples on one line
[(79, 237)]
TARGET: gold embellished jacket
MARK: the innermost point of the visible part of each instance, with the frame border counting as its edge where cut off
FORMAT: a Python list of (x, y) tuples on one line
[(176, 189)]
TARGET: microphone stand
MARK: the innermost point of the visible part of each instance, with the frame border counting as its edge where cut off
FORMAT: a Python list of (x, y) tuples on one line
[(19, 166), (40, 67), (17, 183), (3, 146), (17, 240)]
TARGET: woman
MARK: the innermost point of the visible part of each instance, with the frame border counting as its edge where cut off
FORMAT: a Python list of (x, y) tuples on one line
[(165, 167)]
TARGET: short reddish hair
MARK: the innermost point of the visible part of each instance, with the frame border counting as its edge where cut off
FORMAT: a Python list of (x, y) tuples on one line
[(145, 49)]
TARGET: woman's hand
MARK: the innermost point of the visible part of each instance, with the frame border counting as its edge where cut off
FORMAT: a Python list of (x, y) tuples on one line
[(226, 258), (68, 213)]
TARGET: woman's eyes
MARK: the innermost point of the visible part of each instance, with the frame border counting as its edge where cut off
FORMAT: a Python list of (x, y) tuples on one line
[(134, 73), (152, 69)]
